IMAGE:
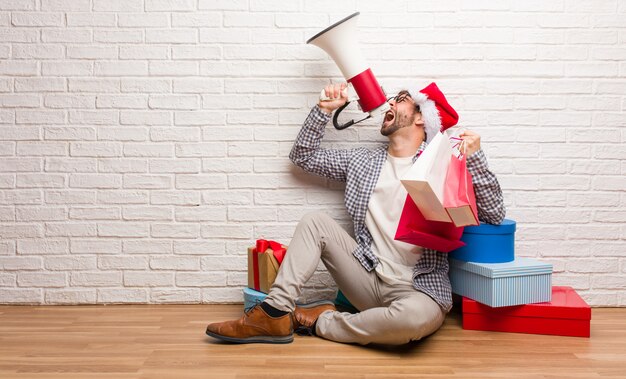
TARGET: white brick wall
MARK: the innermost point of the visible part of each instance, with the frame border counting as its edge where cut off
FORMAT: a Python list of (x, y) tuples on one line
[(144, 143)]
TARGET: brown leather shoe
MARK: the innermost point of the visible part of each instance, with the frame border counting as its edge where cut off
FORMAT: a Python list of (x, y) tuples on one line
[(305, 316), (255, 326)]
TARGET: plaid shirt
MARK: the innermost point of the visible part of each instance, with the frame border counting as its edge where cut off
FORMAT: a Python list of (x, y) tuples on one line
[(360, 169)]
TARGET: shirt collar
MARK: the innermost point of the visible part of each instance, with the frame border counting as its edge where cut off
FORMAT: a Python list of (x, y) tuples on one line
[(420, 150), (384, 149)]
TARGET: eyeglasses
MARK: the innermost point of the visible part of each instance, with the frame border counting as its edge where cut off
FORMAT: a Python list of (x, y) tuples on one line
[(399, 98), (402, 97)]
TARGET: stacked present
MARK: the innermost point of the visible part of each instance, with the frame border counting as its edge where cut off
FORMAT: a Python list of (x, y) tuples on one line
[(505, 293), (264, 259)]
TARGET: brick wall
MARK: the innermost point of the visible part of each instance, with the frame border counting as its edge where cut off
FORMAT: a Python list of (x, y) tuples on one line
[(144, 143)]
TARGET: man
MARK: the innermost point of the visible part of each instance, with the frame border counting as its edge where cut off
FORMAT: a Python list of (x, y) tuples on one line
[(402, 291)]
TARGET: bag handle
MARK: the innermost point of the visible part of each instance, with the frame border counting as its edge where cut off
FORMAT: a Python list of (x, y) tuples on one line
[(461, 145), (464, 151)]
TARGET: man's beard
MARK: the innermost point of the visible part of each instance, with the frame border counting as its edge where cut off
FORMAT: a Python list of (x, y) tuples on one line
[(400, 121)]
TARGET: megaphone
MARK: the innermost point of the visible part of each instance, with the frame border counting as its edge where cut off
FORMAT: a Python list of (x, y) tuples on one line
[(340, 42)]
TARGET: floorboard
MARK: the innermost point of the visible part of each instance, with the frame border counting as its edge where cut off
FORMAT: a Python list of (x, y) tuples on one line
[(168, 341)]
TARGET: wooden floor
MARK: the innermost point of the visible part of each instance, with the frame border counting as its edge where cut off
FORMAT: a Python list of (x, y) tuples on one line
[(168, 341)]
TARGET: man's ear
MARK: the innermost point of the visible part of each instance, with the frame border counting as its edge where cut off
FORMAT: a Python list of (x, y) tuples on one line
[(418, 121)]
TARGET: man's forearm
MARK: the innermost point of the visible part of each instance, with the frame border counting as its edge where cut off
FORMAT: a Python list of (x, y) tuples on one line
[(308, 155), (489, 199), (310, 136)]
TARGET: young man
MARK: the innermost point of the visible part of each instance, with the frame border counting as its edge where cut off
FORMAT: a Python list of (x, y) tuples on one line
[(402, 291)]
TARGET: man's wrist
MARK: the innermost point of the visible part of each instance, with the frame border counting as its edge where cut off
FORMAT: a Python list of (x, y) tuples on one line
[(317, 117), (477, 161), (327, 112)]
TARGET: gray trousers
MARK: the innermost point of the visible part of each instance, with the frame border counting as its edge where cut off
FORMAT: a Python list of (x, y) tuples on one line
[(388, 314)]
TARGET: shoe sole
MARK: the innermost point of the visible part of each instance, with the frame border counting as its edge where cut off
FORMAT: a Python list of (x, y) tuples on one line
[(256, 339)]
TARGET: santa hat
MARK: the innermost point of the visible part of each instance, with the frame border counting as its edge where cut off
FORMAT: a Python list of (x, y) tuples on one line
[(437, 114)]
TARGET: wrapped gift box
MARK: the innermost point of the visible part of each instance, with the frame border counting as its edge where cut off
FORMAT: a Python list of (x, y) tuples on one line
[(252, 297), (521, 281), (487, 243), (264, 260), (566, 315)]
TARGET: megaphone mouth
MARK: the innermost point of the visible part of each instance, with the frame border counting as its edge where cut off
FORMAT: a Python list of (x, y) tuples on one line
[(333, 26)]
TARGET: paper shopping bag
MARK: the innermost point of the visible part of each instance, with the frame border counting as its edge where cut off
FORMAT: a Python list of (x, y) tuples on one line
[(459, 199), (413, 228), (426, 178), (264, 260)]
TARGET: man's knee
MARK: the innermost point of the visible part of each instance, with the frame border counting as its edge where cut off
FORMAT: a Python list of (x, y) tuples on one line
[(314, 218), (418, 320), (422, 325)]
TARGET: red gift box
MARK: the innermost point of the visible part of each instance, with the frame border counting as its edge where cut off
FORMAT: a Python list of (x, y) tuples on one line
[(264, 260), (566, 315)]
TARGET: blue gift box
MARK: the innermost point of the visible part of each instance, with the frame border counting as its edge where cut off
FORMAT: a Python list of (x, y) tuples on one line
[(252, 297), (487, 243), (522, 281)]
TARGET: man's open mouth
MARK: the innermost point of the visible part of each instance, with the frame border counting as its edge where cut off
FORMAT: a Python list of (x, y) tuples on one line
[(389, 116)]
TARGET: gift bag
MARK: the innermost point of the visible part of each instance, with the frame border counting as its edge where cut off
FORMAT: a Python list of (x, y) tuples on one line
[(413, 228), (425, 180), (459, 199), (264, 260)]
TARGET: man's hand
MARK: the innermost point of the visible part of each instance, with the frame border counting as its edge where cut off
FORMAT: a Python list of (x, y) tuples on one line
[(471, 140), (338, 95)]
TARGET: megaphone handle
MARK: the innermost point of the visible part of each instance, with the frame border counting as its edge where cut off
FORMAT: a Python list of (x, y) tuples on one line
[(336, 124), (348, 92), (323, 96)]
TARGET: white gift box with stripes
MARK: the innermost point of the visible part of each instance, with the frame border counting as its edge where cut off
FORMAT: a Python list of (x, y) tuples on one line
[(522, 281)]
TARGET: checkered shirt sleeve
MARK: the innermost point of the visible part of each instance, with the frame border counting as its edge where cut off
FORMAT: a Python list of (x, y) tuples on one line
[(489, 199), (307, 154)]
